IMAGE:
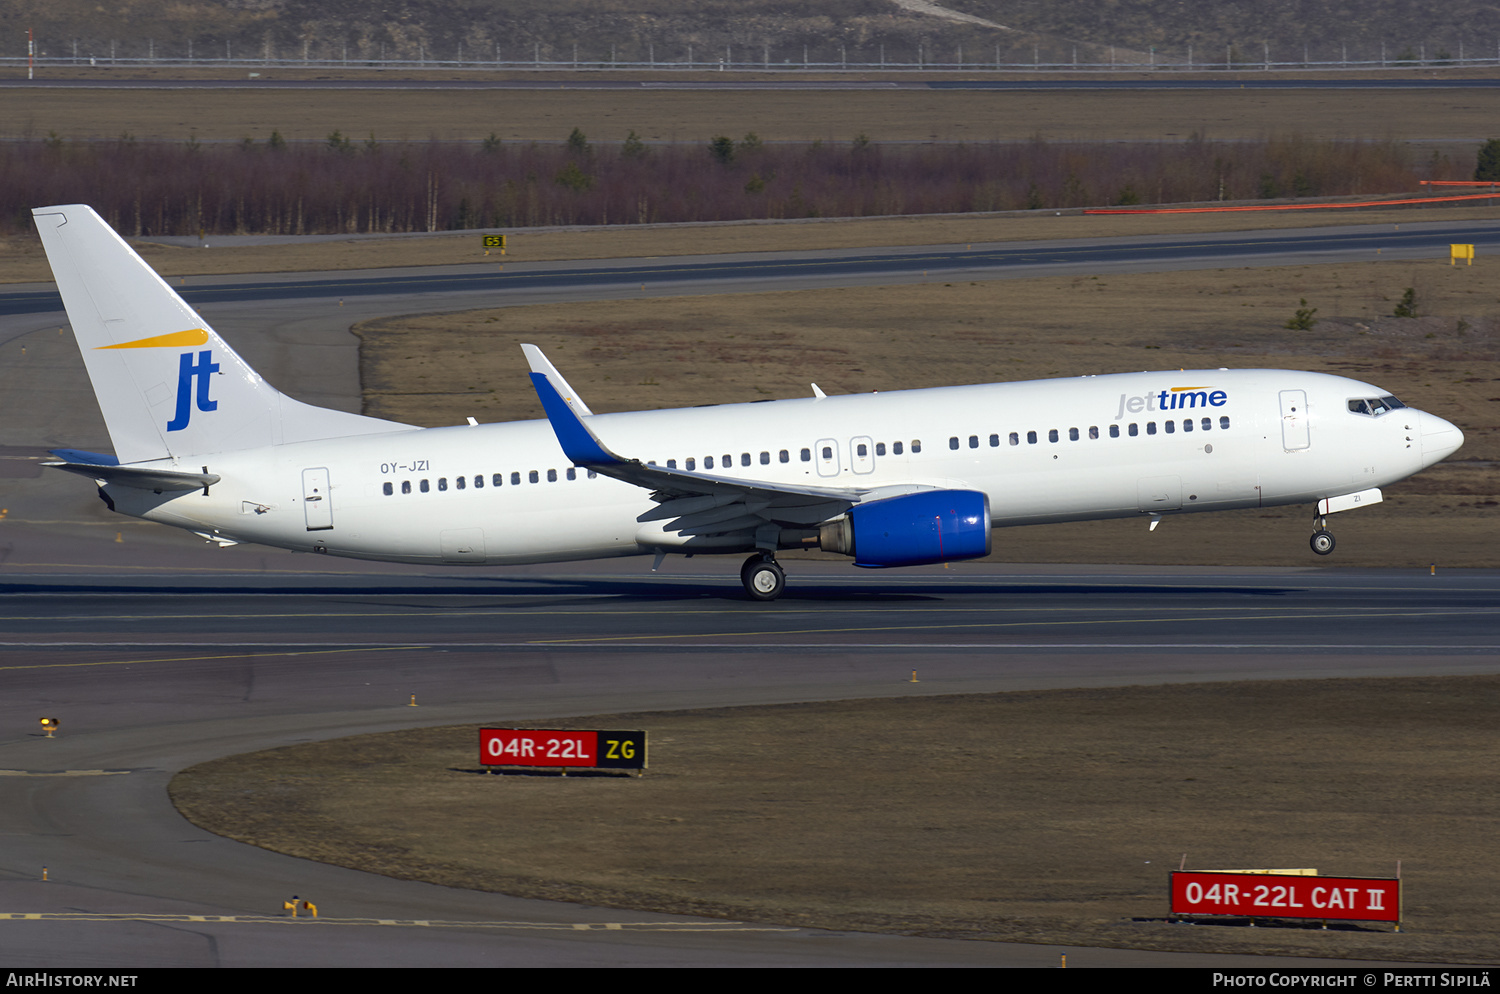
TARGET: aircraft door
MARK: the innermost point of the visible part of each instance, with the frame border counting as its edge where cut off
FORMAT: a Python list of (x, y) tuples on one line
[(862, 454), (316, 504), (828, 457), (1294, 427)]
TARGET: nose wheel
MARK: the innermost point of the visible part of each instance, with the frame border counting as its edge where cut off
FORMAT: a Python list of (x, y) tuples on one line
[(763, 578), (1322, 539)]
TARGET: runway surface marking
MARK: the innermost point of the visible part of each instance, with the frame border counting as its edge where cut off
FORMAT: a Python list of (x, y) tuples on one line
[(573, 640), (62, 773), (403, 922), (199, 659), (1456, 648), (1249, 611)]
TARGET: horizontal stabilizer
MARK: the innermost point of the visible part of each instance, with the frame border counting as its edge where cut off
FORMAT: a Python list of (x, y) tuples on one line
[(140, 477)]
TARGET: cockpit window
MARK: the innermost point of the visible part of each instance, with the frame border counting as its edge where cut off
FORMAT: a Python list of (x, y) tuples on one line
[(1374, 407)]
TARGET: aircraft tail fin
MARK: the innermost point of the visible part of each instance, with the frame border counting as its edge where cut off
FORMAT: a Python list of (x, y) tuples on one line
[(167, 384)]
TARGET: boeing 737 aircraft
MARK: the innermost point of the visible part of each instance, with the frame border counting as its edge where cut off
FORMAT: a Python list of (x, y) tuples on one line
[(895, 479)]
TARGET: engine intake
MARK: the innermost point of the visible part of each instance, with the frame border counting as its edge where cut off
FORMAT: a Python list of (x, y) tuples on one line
[(933, 526)]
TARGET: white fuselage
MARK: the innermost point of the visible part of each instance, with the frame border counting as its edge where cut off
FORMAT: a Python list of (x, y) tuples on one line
[(1043, 451)]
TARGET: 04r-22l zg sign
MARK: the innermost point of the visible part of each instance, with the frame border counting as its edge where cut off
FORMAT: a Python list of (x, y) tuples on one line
[(571, 748)]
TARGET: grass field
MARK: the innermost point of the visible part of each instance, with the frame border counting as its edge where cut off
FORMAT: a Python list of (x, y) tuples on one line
[(22, 259), (1038, 817), (1455, 120)]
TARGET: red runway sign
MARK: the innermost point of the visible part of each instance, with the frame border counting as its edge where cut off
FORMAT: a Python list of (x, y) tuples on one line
[(1375, 899), (558, 747)]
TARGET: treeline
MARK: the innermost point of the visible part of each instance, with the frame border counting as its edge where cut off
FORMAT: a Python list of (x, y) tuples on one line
[(344, 186)]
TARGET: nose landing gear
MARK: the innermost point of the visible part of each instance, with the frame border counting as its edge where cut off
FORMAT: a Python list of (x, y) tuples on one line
[(1322, 539), (763, 577)]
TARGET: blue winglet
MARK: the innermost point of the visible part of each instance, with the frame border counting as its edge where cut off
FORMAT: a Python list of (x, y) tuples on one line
[(578, 443)]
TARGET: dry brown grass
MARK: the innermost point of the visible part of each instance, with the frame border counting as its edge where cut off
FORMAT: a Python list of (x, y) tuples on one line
[(22, 259), (1466, 115), (1039, 817)]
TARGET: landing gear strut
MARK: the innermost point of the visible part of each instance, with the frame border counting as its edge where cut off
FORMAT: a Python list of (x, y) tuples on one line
[(1322, 539), (763, 577)]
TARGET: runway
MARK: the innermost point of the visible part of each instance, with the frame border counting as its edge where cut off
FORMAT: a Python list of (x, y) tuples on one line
[(178, 662), (501, 282), (157, 652)]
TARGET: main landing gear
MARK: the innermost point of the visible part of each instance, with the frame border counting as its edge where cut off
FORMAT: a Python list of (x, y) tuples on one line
[(763, 577), (1322, 539)]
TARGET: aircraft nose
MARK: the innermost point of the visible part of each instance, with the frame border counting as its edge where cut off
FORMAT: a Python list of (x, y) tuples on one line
[(1440, 438)]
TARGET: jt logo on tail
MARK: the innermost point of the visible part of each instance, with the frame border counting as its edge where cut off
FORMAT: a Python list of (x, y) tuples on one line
[(187, 371)]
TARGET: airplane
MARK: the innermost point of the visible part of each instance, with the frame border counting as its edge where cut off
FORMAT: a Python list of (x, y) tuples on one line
[(901, 478)]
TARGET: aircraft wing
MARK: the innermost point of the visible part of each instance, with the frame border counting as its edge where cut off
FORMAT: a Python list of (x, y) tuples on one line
[(700, 502)]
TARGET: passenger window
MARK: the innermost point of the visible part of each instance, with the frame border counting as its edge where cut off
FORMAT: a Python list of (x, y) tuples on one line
[(1187, 424), (423, 487), (895, 448), (551, 476), (406, 486), (1208, 423), (916, 446), (1072, 434), (728, 461), (692, 464), (1052, 435), (388, 489), (880, 448), (1015, 438), (1114, 431), (1151, 427), (1224, 422), (1135, 429), (953, 442), (497, 480), (807, 455), (765, 458), (479, 482), (994, 441), (1093, 431), (459, 483), (708, 462), (572, 472), (784, 456), (515, 479), (827, 452), (973, 441), (442, 483), (1171, 426), (534, 476), (863, 450), (744, 458), (592, 474), (1031, 438), (671, 463)]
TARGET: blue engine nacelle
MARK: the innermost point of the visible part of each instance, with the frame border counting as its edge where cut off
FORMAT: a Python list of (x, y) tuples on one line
[(932, 526)]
